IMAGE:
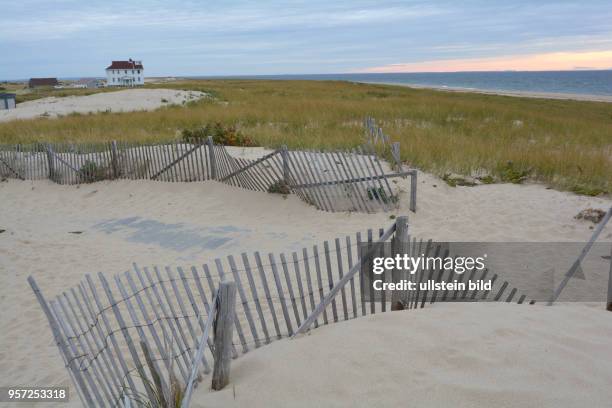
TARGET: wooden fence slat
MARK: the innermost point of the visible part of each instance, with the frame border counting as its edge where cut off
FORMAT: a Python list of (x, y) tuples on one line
[(87, 346), (244, 300), (363, 179), (99, 339), (330, 279), (349, 257), (485, 295), (315, 198), (126, 335), (361, 275), (147, 317), (200, 351), (75, 375), (193, 302), (165, 324), (281, 294), (309, 286), (132, 313), (345, 165), (74, 355), (340, 275), (255, 296), (181, 304), (211, 287), (245, 347), (501, 291), (127, 376), (264, 282), (298, 275), (173, 330), (290, 289), (315, 254)]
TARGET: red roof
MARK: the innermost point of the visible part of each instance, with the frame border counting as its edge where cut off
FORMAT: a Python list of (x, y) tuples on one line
[(125, 65)]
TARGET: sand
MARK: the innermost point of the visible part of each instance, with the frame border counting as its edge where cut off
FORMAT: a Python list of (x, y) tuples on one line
[(468, 355), (119, 101), (521, 94), (193, 223)]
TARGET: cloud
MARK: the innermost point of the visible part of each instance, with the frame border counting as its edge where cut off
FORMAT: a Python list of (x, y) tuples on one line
[(68, 22), (552, 61)]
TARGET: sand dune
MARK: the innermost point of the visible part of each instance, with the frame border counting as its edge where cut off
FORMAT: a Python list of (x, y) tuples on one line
[(467, 355), (119, 101), (59, 233)]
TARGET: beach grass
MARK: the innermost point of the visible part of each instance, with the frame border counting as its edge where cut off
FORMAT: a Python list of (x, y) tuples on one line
[(566, 144)]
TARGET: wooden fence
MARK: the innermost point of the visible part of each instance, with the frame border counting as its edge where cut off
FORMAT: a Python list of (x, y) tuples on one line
[(353, 180), (377, 139), (101, 328)]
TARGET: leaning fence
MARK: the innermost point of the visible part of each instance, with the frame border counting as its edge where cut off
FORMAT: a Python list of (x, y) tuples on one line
[(115, 332), (351, 180)]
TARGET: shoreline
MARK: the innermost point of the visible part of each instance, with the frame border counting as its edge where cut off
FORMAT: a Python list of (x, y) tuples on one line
[(519, 94)]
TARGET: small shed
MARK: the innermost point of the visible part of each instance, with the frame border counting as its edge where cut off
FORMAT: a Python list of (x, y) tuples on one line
[(39, 82), (7, 101)]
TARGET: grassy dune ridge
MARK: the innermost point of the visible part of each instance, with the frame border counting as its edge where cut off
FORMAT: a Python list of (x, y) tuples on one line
[(567, 144)]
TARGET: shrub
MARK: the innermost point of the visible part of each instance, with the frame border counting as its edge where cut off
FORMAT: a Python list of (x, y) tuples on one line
[(280, 187), (510, 173), (90, 172), (488, 179), (455, 180), (222, 135), (586, 190), (378, 193)]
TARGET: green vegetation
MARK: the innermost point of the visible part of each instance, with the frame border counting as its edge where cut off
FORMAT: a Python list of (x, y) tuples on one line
[(280, 187), (224, 135), (91, 172), (567, 144)]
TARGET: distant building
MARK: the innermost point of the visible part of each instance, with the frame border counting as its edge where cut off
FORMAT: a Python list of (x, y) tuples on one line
[(125, 73), (87, 83), (7, 101), (39, 82)]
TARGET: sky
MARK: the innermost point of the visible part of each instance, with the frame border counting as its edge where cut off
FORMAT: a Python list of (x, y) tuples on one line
[(68, 38)]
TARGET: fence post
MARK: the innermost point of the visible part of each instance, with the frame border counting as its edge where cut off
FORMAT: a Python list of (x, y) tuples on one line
[(211, 156), (399, 244), (395, 152), (285, 156), (223, 330), (413, 190), (51, 162), (114, 159), (609, 303)]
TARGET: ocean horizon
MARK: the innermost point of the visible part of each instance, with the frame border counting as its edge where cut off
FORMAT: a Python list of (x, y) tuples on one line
[(579, 82)]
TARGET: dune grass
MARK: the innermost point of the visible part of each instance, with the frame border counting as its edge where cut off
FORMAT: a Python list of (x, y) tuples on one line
[(567, 144)]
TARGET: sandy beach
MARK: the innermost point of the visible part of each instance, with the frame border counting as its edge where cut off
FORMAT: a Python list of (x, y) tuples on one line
[(521, 94), (59, 233), (118, 101)]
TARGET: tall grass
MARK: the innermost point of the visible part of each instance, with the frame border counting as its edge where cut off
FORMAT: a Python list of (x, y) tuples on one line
[(567, 144)]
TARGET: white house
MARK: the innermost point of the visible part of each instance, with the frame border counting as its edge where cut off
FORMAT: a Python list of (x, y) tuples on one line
[(125, 73)]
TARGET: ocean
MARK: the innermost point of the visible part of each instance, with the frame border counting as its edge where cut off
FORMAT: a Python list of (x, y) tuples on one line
[(581, 82)]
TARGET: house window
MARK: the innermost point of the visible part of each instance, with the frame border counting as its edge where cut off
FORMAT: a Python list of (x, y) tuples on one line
[(125, 71), (139, 71)]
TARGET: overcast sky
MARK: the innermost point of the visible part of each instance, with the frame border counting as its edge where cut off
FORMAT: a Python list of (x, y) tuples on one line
[(68, 38)]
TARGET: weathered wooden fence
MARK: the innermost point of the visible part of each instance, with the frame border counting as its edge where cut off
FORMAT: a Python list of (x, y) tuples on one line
[(102, 325), (377, 139), (355, 180)]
